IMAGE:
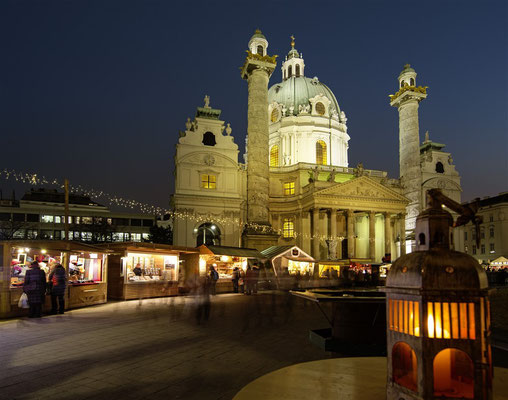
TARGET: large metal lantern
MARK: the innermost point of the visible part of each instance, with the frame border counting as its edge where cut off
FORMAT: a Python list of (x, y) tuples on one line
[(438, 315)]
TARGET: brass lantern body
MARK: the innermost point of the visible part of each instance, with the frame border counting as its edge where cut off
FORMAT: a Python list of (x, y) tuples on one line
[(438, 319)]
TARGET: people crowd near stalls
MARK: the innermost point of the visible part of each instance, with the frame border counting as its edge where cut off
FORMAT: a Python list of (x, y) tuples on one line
[(497, 276)]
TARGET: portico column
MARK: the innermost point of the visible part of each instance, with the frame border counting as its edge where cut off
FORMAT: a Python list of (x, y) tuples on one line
[(333, 224), (402, 228), (388, 235), (315, 233), (350, 234), (372, 235), (306, 232)]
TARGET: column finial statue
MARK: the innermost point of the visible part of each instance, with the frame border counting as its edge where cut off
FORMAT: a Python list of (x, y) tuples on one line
[(207, 101)]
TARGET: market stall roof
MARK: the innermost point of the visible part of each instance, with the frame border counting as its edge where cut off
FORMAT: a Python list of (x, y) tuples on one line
[(230, 251), (146, 247), (275, 251), (55, 245), (500, 260)]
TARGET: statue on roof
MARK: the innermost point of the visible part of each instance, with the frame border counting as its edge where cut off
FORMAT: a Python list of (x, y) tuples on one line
[(207, 101)]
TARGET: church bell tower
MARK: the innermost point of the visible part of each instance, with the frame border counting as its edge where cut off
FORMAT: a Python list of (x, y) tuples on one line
[(407, 100), (256, 70)]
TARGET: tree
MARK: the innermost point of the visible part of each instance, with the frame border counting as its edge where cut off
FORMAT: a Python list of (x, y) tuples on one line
[(160, 234), (9, 229)]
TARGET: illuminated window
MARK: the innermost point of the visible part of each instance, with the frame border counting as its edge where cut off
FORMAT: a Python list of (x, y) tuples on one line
[(321, 153), (404, 366), (274, 156), (320, 108), (274, 117), (288, 228), (47, 218), (208, 181), (289, 188), (453, 374)]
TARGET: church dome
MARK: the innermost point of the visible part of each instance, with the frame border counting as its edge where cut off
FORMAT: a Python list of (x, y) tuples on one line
[(297, 91)]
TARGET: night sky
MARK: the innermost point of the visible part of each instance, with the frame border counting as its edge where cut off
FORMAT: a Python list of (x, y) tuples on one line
[(96, 91)]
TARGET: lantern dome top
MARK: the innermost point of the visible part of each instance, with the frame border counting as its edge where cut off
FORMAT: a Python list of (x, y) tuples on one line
[(437, 269)]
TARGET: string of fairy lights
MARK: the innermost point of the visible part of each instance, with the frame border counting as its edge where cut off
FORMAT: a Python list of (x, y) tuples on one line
[(111, 199)]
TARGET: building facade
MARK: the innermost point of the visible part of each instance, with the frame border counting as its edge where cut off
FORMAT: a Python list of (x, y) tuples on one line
[(316, 201), (493, 233), (40, 215)]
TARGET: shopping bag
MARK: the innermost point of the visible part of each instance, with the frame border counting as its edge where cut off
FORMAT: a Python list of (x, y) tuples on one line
[(23, 301)]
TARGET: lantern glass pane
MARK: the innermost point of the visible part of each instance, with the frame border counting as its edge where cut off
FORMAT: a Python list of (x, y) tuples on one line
[(446, 321), (411, 318), (437, 320), (401, 316), (406, 319), (417, 318), (430, 319), (390, 313), (463, 320), (396, 314), (472, 334), (455, 320)]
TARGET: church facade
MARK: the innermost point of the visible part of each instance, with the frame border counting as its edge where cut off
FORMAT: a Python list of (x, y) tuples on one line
[(298, 134)]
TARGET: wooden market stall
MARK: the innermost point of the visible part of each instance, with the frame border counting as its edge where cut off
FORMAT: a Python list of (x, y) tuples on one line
[(143, 270), (84, 264), (292, 267), (225, 259)]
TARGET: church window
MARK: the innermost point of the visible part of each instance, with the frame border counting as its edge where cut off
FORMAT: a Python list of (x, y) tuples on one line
[(209, 139), (289, 188), (412, 81), (274, 117), (320, 108), (208, 181), (297, 70), (274, 156), (288, 228), (321, 153), (290, 71), (402, 83), (260, 50), (439, 167)]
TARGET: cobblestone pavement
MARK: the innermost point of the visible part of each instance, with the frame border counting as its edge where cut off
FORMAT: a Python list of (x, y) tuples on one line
[(154, 349)]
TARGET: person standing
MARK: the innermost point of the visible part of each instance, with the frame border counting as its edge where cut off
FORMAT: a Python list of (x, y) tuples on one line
[(35, 289), (249, 276), (57, 280), (214, 277), (236, 279)]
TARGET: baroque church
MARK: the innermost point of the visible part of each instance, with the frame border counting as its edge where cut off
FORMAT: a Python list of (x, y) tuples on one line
[(296, 186)]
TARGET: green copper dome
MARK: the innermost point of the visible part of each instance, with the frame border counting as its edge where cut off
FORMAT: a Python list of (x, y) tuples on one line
[(258, 34), (297, 91)]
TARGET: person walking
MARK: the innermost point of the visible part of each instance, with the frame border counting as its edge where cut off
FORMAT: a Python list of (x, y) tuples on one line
[(57, 281), (35, 289), (214, 277), (249, 276), (236, 279)]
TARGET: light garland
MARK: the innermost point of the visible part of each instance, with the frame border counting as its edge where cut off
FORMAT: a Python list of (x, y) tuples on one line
[(36, 179)]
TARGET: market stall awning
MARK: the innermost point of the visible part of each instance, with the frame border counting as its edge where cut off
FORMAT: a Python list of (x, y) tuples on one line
[(287, 252), (230, 251), (146, 247), (500, 261)]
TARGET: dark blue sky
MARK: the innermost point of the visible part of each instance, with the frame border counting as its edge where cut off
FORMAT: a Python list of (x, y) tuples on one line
[(97, 91)]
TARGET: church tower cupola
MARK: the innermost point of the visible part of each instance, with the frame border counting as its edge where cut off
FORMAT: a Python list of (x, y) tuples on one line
[(407, 77), (258, 43), (293, 65)]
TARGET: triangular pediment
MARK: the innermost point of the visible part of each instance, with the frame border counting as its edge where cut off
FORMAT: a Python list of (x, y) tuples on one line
[(362, 188)]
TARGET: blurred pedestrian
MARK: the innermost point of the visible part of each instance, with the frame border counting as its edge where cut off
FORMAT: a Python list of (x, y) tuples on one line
[(58, 283), (235, 279), (249, 276), (35, 289), (255, 278), (214, 277), (203, 302)]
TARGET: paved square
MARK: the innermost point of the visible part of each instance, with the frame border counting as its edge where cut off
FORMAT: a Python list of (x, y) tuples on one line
[(154, 349)]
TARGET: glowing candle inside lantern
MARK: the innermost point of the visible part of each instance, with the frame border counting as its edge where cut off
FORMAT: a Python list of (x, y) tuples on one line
[(430, 320)]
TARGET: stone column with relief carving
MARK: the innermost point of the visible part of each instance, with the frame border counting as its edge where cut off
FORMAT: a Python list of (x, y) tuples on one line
[(350, 234)]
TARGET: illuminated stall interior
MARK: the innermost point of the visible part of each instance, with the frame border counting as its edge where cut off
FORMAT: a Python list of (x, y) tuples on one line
[(139, 270)]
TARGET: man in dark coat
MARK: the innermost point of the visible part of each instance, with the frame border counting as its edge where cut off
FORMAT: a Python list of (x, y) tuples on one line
[(58, 281), (35, 289)]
